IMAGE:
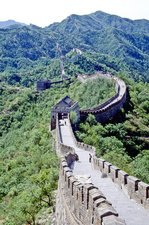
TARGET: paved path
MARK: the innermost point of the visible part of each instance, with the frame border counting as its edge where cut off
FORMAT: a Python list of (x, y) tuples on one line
[(129, 210)]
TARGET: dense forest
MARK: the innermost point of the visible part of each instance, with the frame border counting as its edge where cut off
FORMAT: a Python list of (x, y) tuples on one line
[(28, 162)]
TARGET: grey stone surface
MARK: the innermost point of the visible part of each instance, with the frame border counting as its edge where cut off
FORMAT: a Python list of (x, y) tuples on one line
[(129, 210)]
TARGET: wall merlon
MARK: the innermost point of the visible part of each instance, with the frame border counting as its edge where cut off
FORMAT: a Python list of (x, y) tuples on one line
[(133, 183), (122, 176), (101, 164), (143, 190), (97, 196), (114, 173), (113, 220), (64, 164), (107, 166), (67, 169), (69, 174), (105, 210), (100, 201)]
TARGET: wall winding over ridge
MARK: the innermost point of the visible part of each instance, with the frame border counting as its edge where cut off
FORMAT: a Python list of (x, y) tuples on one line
[(109, 108), (82, 203)]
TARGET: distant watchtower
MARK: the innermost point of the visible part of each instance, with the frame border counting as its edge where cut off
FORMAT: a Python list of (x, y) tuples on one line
[(62, 108), (43, 85)]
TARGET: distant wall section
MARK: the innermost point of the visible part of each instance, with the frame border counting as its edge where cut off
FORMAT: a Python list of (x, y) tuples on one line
[(108, 109)]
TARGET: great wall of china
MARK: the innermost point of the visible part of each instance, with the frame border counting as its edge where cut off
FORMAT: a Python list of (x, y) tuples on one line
[(117, 199)]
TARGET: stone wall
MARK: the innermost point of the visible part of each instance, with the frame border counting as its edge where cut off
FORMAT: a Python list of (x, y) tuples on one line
[(132, 186), (135, 188), (108, 109), (77, 203), (45, 84), (82, 203)]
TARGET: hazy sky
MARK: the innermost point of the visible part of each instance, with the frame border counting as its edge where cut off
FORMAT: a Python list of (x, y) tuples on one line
[(45, 12)]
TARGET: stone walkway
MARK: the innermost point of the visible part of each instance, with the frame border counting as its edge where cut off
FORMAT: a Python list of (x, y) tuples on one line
[(129, 210)]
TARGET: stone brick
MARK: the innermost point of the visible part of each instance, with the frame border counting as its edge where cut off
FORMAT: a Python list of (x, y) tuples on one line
[(106, 169), (122, 176), (105, 210), (101, 164), (132, 187), (114, 173), (143, 190)]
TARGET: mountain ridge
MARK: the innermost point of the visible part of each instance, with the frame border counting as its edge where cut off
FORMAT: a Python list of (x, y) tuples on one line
[(8, 23), (110, 20), (125, 41)]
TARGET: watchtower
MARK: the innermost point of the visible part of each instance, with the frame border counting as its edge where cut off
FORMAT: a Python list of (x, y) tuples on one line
[(62, 108), (43, 85)]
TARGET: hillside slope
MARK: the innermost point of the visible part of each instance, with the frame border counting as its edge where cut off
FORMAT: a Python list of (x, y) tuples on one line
[(118, 37), (29, 51)]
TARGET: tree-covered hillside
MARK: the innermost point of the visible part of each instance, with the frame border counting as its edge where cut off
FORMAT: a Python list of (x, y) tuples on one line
[(123, 39), (29, 51), (28, 162)]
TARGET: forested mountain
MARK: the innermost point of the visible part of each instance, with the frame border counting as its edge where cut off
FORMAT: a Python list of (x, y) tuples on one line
[(28, 163), (118, 37), (27, 53), (10, 23)]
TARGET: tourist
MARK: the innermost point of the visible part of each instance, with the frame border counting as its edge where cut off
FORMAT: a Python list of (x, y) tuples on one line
[(90, 157)]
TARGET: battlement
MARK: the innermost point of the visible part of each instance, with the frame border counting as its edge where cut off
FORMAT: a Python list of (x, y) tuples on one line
[(86, 203), (46, 84), (79, 203), (109, 108), (135, 188)]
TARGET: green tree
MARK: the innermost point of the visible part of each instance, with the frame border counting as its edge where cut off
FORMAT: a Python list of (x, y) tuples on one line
[(73, 117)]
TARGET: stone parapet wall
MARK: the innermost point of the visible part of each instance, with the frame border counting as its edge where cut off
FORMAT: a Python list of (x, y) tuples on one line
[(132, 186), (135, 188), (77, 203), (81, 204), (109, 108), (45, 84)]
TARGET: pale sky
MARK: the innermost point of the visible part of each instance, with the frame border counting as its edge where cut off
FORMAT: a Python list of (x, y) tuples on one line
[(44, 12)]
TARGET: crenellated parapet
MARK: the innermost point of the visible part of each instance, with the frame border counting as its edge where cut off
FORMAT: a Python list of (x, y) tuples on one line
[(82, 204), (132, 186), (108, 109), (79, 203)]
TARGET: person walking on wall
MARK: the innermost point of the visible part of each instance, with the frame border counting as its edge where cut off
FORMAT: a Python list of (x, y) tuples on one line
[(90, 157)]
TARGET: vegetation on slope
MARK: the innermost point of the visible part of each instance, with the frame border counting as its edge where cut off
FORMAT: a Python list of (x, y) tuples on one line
[(92, 93), (28, 162), (125, 40), (27, 52)]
